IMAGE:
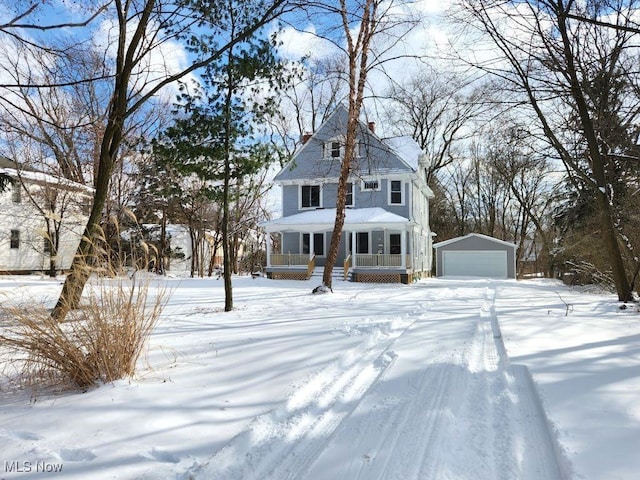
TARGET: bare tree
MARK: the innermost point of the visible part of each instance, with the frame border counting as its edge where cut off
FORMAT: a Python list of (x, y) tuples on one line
[(319, 89), (437, 109), (25, 16), (359, 23), (553, 69), (141, 28)]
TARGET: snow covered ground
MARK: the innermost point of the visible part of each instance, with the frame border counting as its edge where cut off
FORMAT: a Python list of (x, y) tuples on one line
[(442, 379)]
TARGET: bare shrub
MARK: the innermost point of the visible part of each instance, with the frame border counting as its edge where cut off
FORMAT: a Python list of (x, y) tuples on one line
[(99, 342)]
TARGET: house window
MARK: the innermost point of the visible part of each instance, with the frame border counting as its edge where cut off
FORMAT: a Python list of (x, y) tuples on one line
[(15, 239), (335, 149), (349, 197), (16, 195), (395, 192), (395, 246), (362, 242), (370, 185), (310, 196), (318, 244)]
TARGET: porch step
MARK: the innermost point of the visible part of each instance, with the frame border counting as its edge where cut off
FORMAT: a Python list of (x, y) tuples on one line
[(337, 273)]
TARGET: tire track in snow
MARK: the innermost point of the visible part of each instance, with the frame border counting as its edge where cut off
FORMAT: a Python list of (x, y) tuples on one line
[(396, 431), (283, 443), (519, 432), (472, 444)]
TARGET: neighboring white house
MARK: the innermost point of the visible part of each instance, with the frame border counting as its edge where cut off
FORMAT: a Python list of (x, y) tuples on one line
[(28, 203), (182, 250)]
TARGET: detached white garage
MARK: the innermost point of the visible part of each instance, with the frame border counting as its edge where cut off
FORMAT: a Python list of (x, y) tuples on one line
[(475, 255)]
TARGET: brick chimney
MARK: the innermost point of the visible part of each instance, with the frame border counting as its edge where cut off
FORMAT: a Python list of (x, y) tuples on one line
[(372, 126), (305, 137)]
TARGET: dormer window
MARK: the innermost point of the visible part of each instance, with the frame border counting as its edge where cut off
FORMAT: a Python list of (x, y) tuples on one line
[(335, 150)]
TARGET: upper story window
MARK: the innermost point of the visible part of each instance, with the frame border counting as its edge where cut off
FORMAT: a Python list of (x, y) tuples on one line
[(310, 196), (15, 239), (396, 196), (16, 195), (335, 149), (349, 198), (370, 185)]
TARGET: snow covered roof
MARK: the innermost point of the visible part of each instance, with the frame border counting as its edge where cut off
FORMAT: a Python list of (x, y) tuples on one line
[(8, 167), (323, 219), (406, 148), (472, 235), (398, 155)]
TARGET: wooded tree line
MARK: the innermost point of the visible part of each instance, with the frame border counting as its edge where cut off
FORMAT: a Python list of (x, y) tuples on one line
[(531, 128)]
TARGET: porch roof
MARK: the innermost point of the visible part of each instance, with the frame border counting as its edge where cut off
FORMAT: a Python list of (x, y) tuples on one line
[(323, 219)]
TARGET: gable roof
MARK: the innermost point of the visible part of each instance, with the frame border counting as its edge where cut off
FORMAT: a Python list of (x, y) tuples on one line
[(376, 156), (473, 235)]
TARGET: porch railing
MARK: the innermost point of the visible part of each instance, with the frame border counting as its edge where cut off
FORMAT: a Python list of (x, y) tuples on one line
[(380, 260), (347, 266), (290, 259), (311, 265)]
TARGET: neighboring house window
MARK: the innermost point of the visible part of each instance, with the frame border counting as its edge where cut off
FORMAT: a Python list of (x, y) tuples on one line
[(318, 244), (16, 195), (370, 185), (47, 246), (395, 192), (394, 244), (362, 242), (15, 239), (310, 196), (349, 198)]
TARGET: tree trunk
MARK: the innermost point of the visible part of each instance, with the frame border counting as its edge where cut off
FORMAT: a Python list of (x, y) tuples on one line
[(226, 243), (610, 237), (83, 260), (358, 65), (125, 62)]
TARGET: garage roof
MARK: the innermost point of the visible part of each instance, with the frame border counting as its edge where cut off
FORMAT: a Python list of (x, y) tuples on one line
[(477, 235)]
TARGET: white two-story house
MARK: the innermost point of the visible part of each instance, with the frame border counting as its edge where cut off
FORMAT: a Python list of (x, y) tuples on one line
[(386, 235), (42, 218)]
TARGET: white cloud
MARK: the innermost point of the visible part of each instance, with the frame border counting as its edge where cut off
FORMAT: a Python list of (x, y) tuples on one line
[(302, 43)]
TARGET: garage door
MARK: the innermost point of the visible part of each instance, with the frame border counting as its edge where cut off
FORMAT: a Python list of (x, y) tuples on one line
[(475, 263)]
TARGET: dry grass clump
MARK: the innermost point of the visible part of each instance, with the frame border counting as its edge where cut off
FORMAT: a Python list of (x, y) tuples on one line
[(100, 342)]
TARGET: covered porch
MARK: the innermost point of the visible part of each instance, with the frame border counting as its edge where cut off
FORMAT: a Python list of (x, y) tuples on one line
[(375, 245)]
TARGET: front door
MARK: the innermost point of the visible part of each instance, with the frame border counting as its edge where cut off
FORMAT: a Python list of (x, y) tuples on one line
[(395, 245)]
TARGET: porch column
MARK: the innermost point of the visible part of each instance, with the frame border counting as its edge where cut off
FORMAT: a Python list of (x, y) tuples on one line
[(354, 248), (312, 246), (403, 248), (268, 249)]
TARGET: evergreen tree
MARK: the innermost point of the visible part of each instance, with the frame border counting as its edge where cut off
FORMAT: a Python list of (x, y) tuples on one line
[(217, 138)]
